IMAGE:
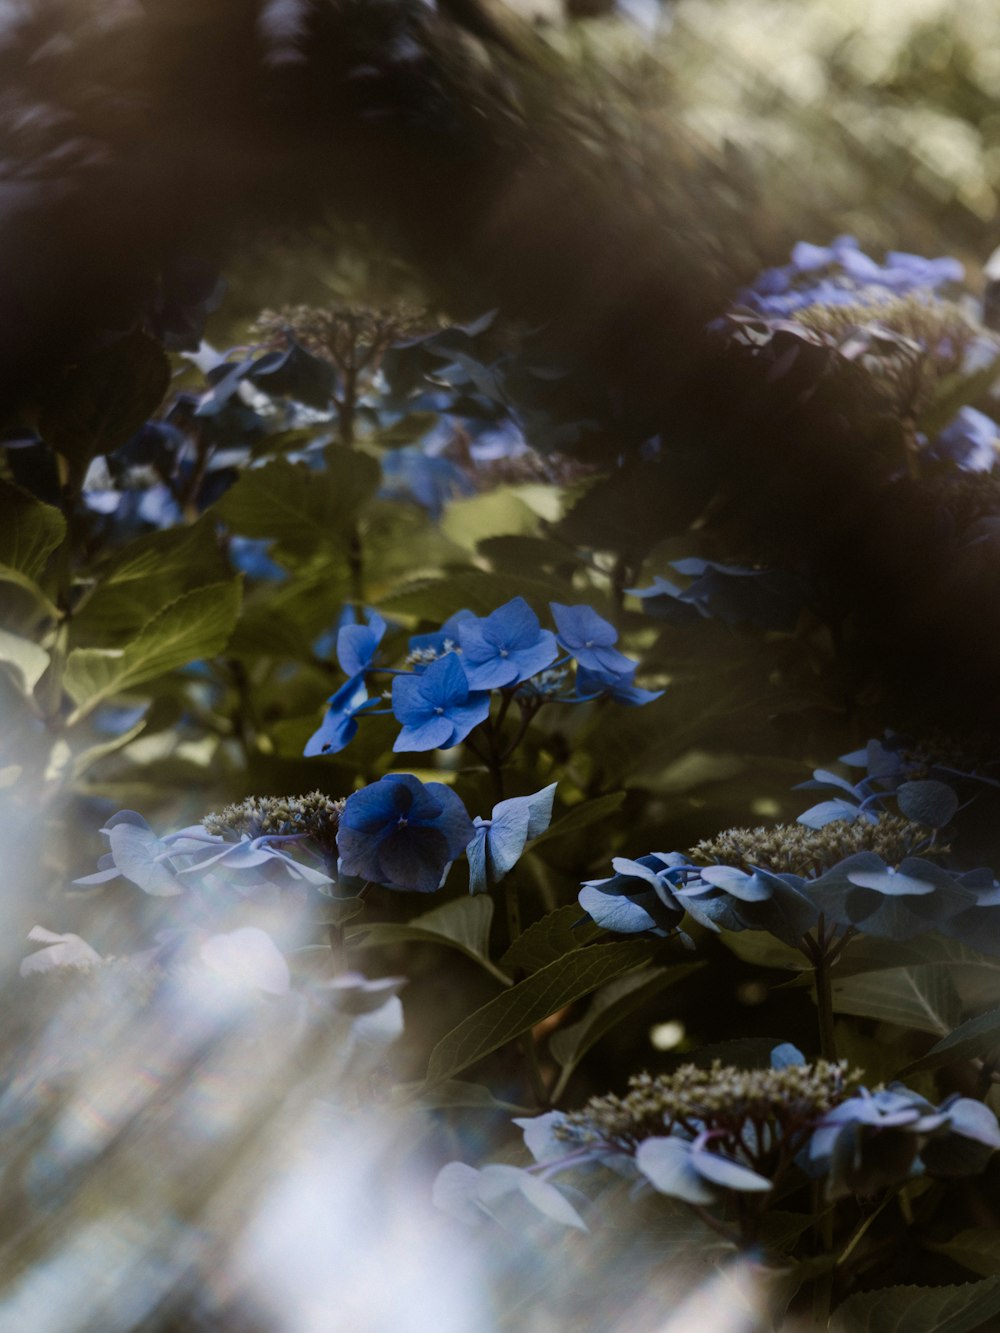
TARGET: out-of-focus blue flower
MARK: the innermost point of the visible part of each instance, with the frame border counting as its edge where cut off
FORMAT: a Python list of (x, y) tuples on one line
[(590, 639), (436, 707), (250, 556), (970, 440), (606, 684), (339, 727), (499, 841), (506, 647), (402, 833), (358, 644), (409, 474), (767, 598), (841, 273)]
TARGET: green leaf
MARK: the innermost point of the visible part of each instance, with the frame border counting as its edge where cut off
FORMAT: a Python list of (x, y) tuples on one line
[(920, 997), (196, 625), (977, 1249), (763, 950), (495, 513), (26, 659), (30, 531), (87, 758), (610, 1005), (105, 398), (550, 938), (973, 1039), (582, 816), (437, 598), (957, 1309), (43, 606), (524, 1005), (463, 924), (149, 573), (300, 507)]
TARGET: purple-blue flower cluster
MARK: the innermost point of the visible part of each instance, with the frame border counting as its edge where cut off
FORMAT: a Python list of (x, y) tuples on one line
[(842, 274), (444, 691)]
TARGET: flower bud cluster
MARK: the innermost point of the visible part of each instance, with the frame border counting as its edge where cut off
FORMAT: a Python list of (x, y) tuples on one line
[(720, 1098), (799, 850), (316, 815)]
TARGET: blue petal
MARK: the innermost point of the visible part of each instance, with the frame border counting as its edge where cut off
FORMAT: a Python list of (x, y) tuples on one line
[(430, 733)]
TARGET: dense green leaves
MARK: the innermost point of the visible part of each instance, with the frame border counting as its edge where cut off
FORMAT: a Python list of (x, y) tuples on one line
[(302, 508), (196, 625), (969, 1041)]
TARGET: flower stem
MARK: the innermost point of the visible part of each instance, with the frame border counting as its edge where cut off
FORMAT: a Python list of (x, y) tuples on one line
[(824, 999)]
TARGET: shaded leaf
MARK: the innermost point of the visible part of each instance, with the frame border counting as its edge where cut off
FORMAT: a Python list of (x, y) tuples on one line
[(101, 403), (956, 1309), (300, 507), (435, 599), (977, 1249), (520, 1008), (971, 1040), (583, 816), (928, 802), (914, 997), (610, 1005), (30, 531), (550, 938), (196, 625), (463, 924)]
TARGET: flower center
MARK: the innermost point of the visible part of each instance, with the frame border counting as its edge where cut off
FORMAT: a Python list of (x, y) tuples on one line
[(588, 643), (439, 710), (504, 652), (401, 821)]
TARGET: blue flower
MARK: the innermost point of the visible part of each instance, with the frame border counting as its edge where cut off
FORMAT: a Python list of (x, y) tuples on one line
[(358, 644), (583, 633), (595, 684), (339, 727), (506, 647), (499, 841), (403, 834), (638, 897), (444, 640), (436, 707), (970, 440)]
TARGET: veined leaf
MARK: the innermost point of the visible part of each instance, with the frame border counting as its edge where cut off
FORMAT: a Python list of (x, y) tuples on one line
[(43, 605), (302, 508), (977, 1249), (554, 935), (969, 1041), (195, 625), (148, 573), (463, 924), (524, 1005), (582, 816), (913, 997), (956, 1309), (30, 530)]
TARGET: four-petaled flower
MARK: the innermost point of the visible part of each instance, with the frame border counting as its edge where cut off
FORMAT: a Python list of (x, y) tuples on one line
[(403, 834), (590, 639), (506, 647), (437, 708)]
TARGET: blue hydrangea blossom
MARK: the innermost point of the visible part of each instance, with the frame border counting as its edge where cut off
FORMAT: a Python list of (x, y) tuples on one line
[(505, 648), (437, 707), (402, 833)]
